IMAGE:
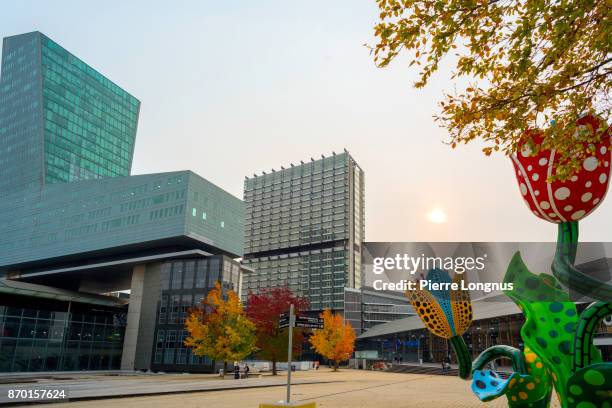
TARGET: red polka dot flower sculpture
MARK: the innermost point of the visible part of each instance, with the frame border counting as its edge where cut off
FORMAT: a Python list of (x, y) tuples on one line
[(565, 202), (569, 200)]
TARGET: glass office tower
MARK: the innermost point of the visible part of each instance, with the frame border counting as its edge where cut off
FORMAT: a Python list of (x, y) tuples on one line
[(304, 227), (60, 119)]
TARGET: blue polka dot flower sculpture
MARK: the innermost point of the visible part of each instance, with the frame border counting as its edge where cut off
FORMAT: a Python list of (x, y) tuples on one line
[(559, 354)]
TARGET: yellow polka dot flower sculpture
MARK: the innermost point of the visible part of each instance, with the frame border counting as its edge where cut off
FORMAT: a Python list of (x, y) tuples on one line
[(445, 313)]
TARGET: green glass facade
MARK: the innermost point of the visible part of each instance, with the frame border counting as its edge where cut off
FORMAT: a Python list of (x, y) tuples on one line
[(90, 123), (60, 119), (21, 124), (63, 219)]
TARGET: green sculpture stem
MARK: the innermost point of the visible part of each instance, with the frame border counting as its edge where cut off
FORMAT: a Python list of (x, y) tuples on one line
[(463, 357), (585, 331), (544, 402), (499, 351), (564, 270)]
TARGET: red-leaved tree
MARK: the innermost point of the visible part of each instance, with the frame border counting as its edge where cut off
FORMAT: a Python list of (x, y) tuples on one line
[(264, 310)]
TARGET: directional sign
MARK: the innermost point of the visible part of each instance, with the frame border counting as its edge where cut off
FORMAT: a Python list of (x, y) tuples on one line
[(308, 325), (283, 322), (301, 321), (309, 322)]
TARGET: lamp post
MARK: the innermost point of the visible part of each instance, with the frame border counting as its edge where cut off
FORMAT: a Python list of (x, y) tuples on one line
[(418, 341), (419, 349)]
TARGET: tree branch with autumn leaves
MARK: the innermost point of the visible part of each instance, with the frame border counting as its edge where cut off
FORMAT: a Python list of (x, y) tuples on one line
[(530, 64)]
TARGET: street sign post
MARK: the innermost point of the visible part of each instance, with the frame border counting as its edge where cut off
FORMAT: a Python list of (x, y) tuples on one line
[(289, 349), (290, 321)]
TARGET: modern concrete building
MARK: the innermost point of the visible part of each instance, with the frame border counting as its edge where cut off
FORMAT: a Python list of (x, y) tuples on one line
[(304, 227), (74, 225)]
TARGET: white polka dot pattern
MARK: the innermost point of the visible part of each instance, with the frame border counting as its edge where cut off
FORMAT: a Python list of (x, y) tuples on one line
[(569, 200)]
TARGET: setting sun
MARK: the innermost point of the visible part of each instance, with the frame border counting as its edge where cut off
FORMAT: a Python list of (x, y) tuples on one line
[(437, 215)]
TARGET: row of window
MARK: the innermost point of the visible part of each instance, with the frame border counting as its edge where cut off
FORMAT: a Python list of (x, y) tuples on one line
[(151, 201), (296, 213), (170, 349), (167, 212), (301, 196), (76, 68), (46, 340), (304, 256), (323, 186), (297, 229), (203, 273), (322, 267), (204, 216), (303, 229), (59, 115), (65, 139), (314, 169), (24, 355), (98, 318), (175, 312), (331, 207)]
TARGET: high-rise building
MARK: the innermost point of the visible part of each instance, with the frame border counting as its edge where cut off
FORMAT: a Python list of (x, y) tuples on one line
[(60, 119), (304, 227), (75, 226)]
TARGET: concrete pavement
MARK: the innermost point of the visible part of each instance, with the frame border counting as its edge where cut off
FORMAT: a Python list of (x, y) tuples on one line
[(89, 387), (344, 389)]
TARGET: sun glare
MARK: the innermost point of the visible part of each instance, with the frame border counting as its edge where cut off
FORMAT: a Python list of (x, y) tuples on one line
[(436, 215)]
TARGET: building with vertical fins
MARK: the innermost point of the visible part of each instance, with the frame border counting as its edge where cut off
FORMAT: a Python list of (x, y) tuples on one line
[(304, 227)]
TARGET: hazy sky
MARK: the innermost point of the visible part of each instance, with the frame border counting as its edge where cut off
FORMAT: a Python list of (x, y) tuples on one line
[(229, 88)]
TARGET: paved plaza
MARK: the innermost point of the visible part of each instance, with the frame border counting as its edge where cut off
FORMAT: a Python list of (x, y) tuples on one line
[(343, 389)]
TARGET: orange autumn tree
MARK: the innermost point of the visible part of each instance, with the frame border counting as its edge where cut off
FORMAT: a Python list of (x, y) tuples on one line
[(220, 329), (336, 340)]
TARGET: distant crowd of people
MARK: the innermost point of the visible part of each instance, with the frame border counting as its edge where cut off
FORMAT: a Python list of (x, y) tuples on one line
[(242, 369)]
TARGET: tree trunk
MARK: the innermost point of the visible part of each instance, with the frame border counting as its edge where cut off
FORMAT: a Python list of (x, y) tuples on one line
[(336, 364), (274, 367), (224, 368)]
